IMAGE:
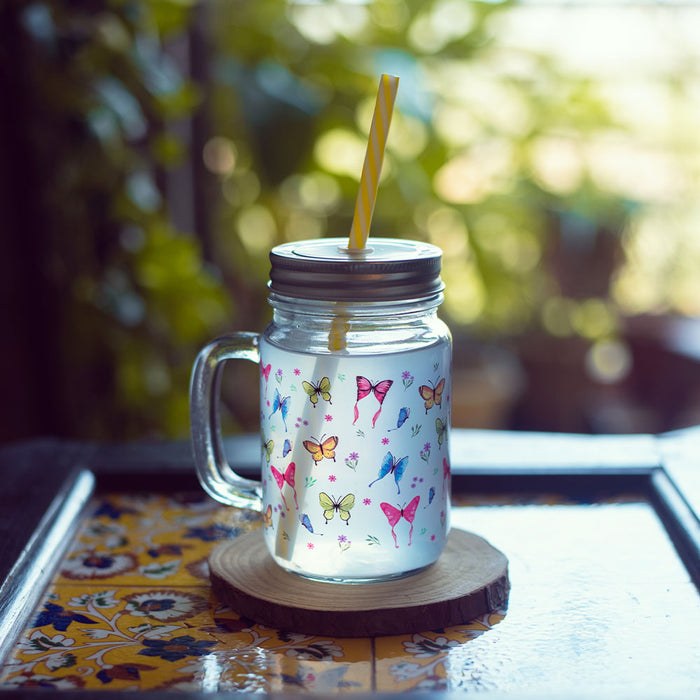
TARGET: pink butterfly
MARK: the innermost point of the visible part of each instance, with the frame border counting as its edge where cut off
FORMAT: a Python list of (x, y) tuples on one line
[(288, 476), (365, 388), (265, 374), (393, 515)]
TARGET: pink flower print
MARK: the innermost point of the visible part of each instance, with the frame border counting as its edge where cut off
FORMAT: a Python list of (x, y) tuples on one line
[(385, 441), (297, 371), (432, 538), (331, 477), (353, 456), (342, 538), (328, 417), (309, 545), (367, 501)]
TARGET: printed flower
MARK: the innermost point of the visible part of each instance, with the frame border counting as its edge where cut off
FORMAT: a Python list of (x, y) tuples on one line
[(331, 477), (317, 651), (96, 565), (165, 549), (199, 568), (354, 456), (165, 605), (230, 625), (342, 538), (214, 532), (328, 417), (37, 680), (59, 618), (39, 642), (422, 646), (405, 374), (297, 371), (426, 447), (109, 510), (99, 599), (176, 648), (309, 545), (367, 501), (385, 441), (123, 672)]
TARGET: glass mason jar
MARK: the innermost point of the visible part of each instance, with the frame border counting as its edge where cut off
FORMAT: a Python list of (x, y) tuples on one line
[(355, 388)]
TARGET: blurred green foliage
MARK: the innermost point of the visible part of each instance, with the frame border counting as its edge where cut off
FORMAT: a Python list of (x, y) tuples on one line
[(488, 157), (293, 88), (136, 298)]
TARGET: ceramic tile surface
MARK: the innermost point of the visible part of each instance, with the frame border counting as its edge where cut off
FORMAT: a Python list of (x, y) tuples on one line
[(594, 590), (130, 608)]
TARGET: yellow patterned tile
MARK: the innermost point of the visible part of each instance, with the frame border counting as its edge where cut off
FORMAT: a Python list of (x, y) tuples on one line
[(140, 540), (418, 661), (160, 637)]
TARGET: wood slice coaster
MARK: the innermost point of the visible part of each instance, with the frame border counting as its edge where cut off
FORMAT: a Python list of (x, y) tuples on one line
[(469, 579)]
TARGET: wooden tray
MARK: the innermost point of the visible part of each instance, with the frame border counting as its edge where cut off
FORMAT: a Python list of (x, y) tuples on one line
[(469, 580)]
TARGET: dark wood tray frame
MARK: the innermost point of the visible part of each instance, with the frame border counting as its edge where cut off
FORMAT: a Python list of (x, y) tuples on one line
[(47, 483)]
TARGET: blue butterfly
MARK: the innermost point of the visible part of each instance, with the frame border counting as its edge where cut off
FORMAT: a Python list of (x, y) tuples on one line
[(391, 466), (431, 495), (287, 448), (282, 405), (404, 413), (306, 522)]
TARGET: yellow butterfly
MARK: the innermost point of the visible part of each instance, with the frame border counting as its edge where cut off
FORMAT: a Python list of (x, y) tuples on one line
[(330, 506), (268, 446), (313, 390), (320, 450), (432, 395), (267, 517), (440, 429)]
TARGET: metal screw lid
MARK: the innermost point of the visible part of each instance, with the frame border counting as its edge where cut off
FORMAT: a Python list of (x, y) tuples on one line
[(325, 269)]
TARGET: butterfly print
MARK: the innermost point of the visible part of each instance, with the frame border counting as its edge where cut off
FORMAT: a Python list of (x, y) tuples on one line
[(365, 388), (287, 477), (306, 522), (331, 506), (432, 395), (267, 517), (392, 466), (431, 495), (404, 413), (393, 515), (441, 430), (287, 448), (321, 389), (268, 446), (319, 450), (282, 405), (265, 374)]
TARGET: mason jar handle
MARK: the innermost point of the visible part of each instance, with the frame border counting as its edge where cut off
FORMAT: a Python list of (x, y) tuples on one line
[(213, 470)]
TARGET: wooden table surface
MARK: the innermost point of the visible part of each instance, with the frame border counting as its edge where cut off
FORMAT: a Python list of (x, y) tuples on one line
[(103, 558)]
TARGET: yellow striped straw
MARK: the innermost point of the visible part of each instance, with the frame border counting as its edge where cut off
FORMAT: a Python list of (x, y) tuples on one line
[(367, 194)]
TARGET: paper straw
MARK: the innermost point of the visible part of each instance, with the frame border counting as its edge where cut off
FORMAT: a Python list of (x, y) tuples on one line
[(367, 194)]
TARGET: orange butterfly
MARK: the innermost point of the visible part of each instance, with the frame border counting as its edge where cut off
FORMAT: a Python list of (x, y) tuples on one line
[(267, 517), (432, 395), (319, 450)]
